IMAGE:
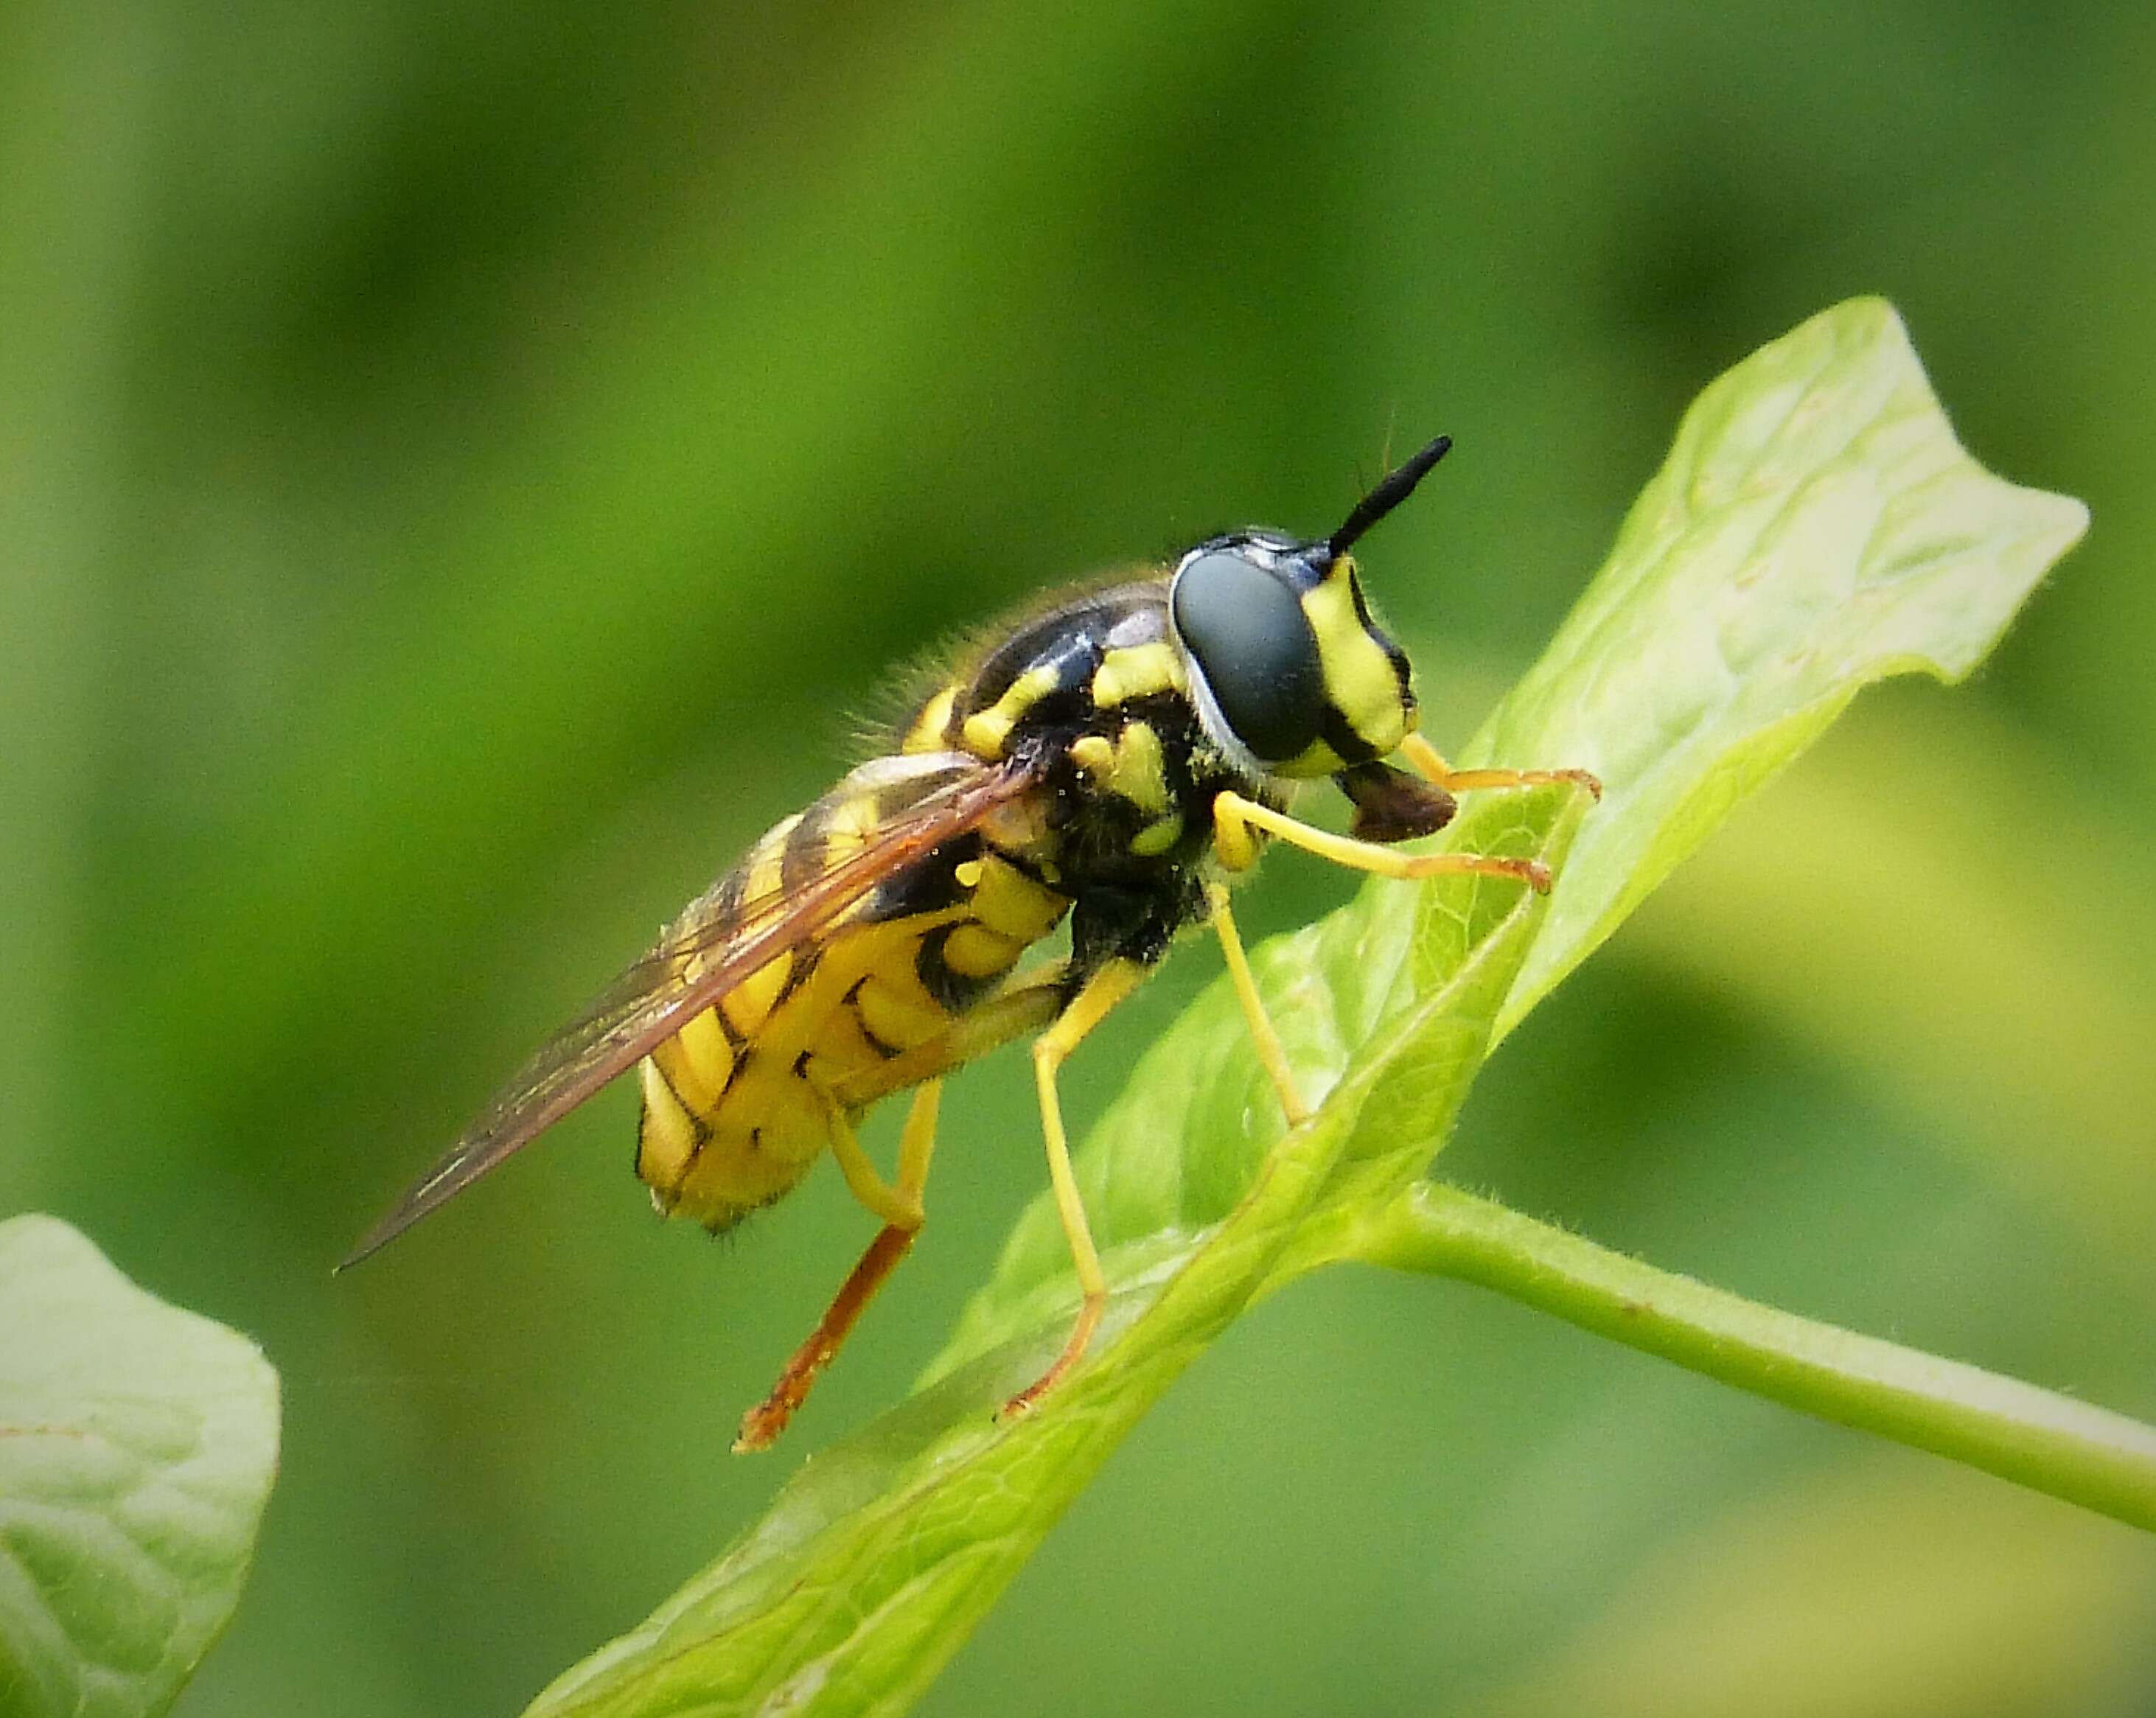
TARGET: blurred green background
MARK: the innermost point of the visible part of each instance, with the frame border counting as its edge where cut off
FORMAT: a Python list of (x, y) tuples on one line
[(463, 462)]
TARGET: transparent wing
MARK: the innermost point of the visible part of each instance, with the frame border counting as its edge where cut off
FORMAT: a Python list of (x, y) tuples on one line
[(716, 943)]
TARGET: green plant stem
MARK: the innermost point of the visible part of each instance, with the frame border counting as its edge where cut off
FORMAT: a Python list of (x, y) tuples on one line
[(2047, 1441)]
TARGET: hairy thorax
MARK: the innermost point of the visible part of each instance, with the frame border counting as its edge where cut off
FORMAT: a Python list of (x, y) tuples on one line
[(926, 971)]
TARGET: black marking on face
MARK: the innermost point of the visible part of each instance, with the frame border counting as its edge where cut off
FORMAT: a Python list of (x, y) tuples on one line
[(1339, 733), (1394, 654)]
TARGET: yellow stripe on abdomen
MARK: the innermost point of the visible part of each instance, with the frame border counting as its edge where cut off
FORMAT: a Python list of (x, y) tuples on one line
[(698, 1061), (748, 1004), (737, 1104), (667, 1138)]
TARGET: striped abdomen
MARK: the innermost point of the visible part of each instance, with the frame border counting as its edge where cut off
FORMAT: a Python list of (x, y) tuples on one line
[(738, 1104)]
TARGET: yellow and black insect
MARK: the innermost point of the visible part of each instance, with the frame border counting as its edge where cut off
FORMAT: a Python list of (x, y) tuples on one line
[(1111, 758)]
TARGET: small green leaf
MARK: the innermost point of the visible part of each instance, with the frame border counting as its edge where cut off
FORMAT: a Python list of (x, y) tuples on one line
[(1816, 528), (137, 1443)]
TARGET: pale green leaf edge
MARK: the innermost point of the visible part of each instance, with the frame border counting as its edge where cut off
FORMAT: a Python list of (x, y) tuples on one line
[(1844, 400), (138, 1445)]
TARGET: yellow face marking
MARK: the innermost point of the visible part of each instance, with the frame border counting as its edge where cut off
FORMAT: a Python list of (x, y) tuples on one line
[(1359, 679), (1316, 759), (968, 874), (930, 726), (975, 951), (1011, 904), (667, 1140), (1136, 671)]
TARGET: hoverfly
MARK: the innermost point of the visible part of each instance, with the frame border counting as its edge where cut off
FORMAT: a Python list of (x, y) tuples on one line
[(1111, 757)]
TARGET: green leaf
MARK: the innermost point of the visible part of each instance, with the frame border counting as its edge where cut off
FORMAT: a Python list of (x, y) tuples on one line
[(1817, 527), (137, 1443)]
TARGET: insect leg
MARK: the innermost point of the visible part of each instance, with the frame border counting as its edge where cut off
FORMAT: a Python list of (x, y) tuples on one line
[(1425, 757), (1233, 818), (1260, 1024), (1025, 1006), (1113, 982), (882, 1200), (761, 1425), (918, 1144)]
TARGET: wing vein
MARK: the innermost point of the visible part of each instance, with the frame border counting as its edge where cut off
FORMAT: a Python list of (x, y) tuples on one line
[(716, 943)]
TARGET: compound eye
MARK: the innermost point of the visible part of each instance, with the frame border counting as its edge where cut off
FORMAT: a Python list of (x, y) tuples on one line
[(1248, 634)]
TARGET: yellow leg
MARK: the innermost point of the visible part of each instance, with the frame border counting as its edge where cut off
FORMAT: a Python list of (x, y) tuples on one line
[(1269, 1052), (1233, 818), (1425, 757), (917, 1144), (882, 1200), (761, 1425), (1107, 986)]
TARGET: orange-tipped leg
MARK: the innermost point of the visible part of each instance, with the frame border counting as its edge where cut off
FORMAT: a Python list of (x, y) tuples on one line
[(761, 1425), (1074, 1350), (1233, 816), (901, 1208), (1425, 757)]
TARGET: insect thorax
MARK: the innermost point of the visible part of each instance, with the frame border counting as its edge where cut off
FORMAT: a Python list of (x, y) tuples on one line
[(1096, 690), (1113, 829)]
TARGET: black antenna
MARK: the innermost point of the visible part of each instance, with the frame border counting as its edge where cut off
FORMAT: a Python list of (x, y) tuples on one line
[(1393, 489)]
